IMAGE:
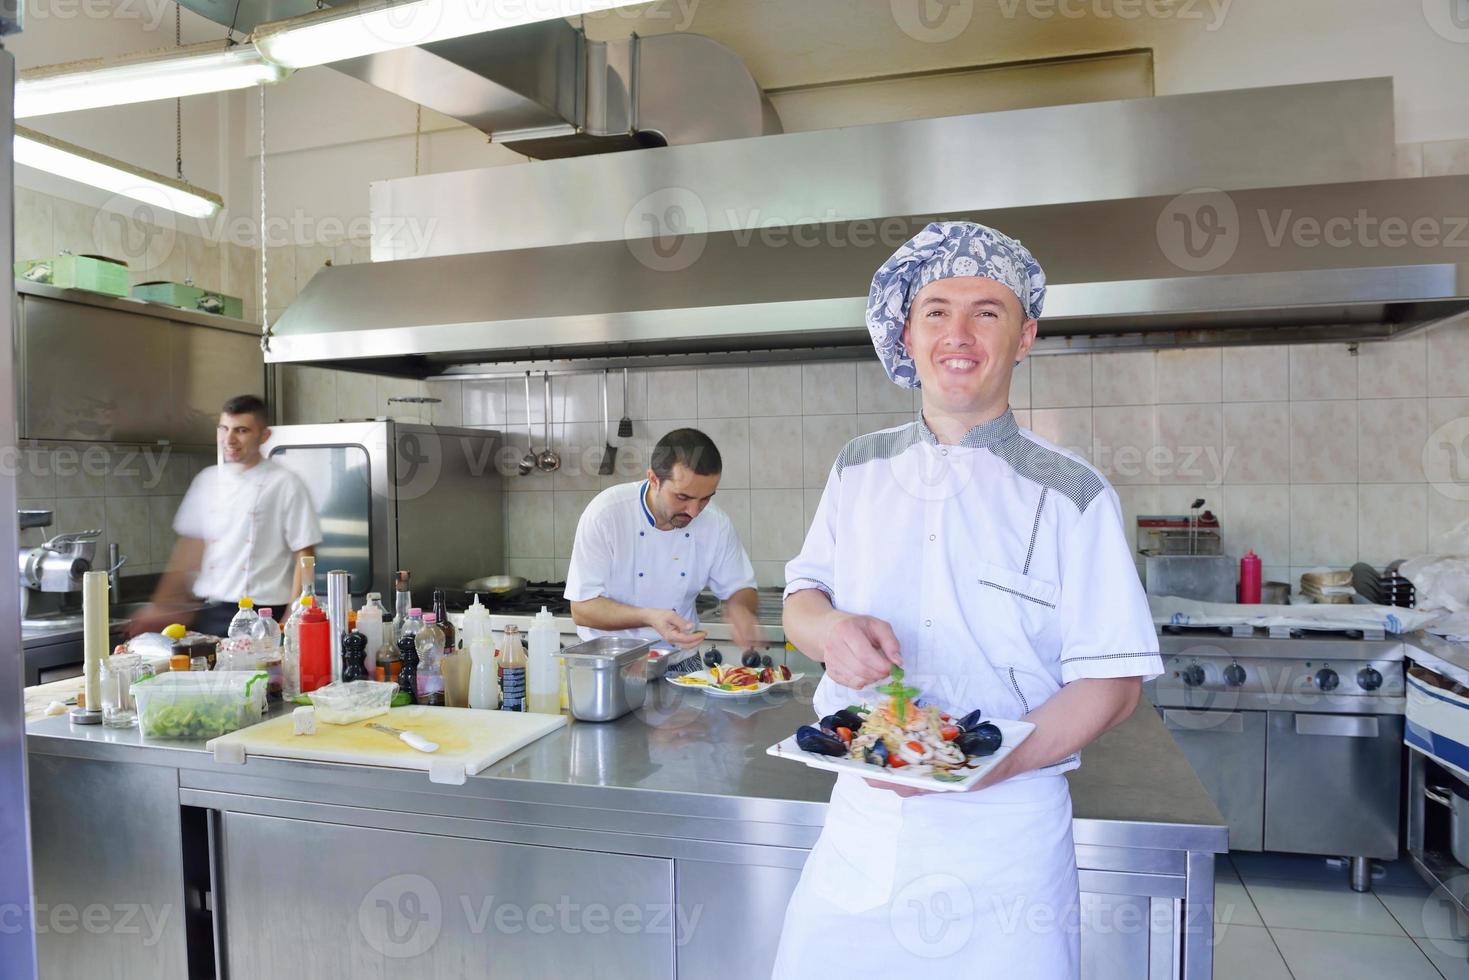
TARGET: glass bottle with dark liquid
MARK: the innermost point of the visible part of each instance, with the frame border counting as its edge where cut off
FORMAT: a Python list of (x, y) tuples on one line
[(408, 676)]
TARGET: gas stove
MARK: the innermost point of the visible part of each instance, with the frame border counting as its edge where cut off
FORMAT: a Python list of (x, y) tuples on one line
[(1209, 669)]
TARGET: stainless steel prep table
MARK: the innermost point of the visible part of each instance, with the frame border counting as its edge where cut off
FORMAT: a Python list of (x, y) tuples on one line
[(673, 812)]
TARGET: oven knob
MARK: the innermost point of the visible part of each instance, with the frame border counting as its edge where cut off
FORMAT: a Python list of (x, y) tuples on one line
[(1193, 675), (1327, 679), (1369, 679), (1234, 675)]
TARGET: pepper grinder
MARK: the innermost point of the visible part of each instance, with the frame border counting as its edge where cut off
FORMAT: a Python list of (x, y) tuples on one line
[(354, 657), (408, 675)]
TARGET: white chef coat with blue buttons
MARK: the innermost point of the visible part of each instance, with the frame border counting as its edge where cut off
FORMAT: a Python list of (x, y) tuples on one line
[(1002, 566), (620, 553)]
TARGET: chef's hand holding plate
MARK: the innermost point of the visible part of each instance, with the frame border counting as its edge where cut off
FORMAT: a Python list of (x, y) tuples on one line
[(674, 628)]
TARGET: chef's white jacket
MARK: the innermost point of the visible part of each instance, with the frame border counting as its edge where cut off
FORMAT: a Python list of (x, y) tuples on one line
[(1001, 564), (620, 553)]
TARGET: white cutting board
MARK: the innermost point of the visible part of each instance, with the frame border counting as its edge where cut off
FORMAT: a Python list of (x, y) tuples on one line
[(470, 740)]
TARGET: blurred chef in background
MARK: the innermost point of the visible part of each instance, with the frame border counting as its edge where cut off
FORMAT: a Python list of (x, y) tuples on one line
[(241, 530)]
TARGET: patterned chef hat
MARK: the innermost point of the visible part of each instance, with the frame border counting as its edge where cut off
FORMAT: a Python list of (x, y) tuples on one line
[(943, 250)]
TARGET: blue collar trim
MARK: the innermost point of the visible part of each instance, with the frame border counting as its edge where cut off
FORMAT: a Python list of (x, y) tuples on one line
[(643, 503)]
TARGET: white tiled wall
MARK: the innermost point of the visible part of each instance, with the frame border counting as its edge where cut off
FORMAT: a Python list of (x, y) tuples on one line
[(1309, 454), (130, 493)]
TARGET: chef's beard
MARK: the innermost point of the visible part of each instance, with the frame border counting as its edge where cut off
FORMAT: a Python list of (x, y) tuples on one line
[(682, 520)]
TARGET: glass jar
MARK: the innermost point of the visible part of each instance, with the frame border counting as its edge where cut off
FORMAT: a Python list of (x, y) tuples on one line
[(116, 676)]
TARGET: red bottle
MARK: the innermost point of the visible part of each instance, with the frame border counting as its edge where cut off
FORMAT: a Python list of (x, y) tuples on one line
[(316, 650), (1249, 578)]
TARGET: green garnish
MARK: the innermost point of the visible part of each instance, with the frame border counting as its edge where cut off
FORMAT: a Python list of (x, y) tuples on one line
[(900, 693), (948, 777)]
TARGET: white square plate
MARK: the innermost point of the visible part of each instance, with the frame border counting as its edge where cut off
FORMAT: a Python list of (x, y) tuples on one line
[(714, 692), (1012, 733)]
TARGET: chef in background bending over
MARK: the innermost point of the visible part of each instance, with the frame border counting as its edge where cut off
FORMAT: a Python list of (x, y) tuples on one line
[(241, 530), (993, 566), (644, 551)]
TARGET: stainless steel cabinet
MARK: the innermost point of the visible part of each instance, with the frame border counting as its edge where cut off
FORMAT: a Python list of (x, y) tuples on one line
[(1227, 750), (92, 371), (321, 901), (1315, 757)]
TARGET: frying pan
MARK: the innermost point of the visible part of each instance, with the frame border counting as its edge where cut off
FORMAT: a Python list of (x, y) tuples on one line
[(500, 586)]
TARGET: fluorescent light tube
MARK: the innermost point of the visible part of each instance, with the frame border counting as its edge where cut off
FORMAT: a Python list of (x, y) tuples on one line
[(363, 28), (54, 156), (193, 70)]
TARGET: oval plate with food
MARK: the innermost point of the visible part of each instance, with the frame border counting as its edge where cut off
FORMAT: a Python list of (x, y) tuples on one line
[(734, 681)]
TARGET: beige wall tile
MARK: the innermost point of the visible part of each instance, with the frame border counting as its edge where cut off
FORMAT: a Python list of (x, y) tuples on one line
[(1257, 442), (822, 438), (1123, 379), (775, 389), (1393, 369), (530, 526), (1321, 372), (1060, 381), (829, 389), (1391, 434), (875, 393), (1448, 360), (1192, 438), (1323, 525), (1019, 386), (1392, 522), (736, 506), (1448, 509), (1444, 157), (671, 394), (1123, 442), (1256, 374), (1323, 442), (566, 510), (732, 437), (1189, 375), (580, 445), (1069, 428), (1259, 519), (724, 393), (776, 453), (778, 534)]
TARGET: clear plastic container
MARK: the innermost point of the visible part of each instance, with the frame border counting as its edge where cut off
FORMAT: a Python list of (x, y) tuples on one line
[(343, 704), (199, 704)]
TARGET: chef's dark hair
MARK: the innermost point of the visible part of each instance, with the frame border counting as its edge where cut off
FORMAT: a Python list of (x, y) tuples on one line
[(246, 405), (688, 447)]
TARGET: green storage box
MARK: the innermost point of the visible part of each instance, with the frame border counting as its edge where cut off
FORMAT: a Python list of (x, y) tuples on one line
[(187, 296), (95, 272)]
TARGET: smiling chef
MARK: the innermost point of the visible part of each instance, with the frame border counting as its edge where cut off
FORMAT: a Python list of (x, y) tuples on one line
[(994, 568), (644, 551)]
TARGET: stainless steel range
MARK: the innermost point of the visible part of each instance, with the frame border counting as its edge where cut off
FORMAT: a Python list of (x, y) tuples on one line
[(1297, 736)]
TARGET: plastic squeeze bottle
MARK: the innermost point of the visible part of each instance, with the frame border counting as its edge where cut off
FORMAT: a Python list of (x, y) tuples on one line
[(543, 681)]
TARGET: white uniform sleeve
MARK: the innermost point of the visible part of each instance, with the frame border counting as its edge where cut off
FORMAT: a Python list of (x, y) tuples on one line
[(815, 566), (298, 516), (591, 558), (731, 570), (1107, 628), (191, 520)]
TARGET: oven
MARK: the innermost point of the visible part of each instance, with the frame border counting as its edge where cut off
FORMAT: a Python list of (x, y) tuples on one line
[(1297, 737), (394, 495)]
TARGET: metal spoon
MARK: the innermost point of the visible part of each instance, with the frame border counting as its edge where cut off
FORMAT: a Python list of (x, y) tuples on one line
[(528, 461), (549, 459)]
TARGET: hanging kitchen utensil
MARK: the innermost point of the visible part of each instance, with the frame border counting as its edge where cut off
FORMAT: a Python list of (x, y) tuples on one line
[(609, 451), (624, 427), (528, 461), (549, 460)]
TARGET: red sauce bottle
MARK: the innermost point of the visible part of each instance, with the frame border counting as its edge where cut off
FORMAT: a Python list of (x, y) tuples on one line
[(316, 650)]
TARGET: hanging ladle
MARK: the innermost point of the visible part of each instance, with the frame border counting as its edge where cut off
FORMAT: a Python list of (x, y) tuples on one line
[(549, 459), (528, 461)]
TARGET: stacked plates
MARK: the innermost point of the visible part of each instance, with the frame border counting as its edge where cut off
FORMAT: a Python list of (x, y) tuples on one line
[(1385, 588)]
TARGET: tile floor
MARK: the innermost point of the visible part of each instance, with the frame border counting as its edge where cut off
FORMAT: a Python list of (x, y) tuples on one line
[(1290, 917)]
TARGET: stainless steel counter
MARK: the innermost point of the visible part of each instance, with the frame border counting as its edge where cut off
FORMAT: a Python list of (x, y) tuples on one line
[(678, 799)]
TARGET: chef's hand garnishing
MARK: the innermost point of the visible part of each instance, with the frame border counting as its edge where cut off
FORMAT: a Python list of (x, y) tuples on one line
[(673, 628), (859, 650)]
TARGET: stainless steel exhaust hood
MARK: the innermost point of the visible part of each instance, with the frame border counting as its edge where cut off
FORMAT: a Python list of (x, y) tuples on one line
[(1255, 267)]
